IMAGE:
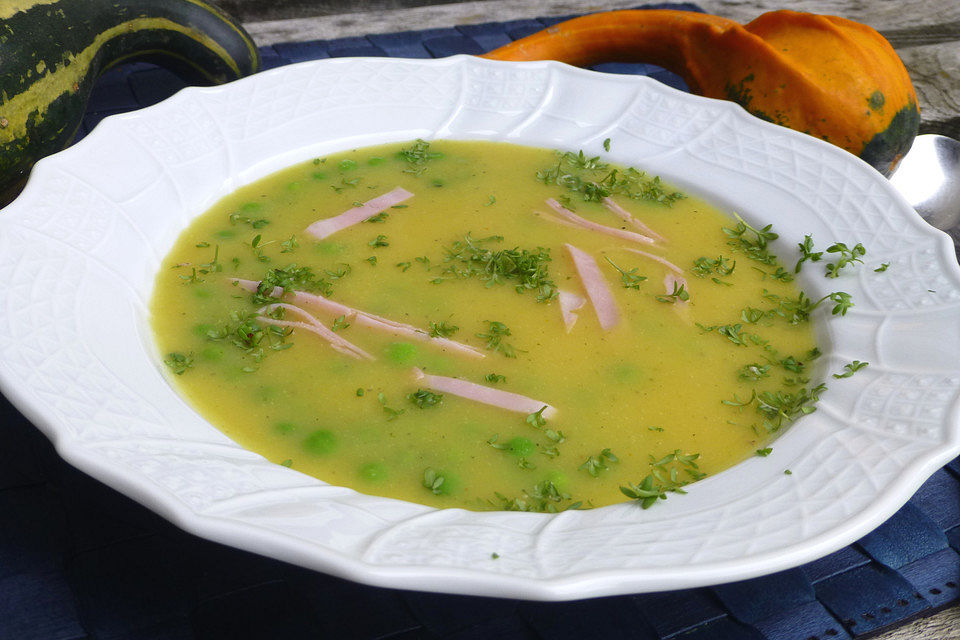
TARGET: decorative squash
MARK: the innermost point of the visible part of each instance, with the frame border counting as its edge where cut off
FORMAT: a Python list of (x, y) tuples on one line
[(823, 75), (52, 51)]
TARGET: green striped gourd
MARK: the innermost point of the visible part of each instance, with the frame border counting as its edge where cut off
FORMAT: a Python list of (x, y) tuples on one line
[(53, 51)]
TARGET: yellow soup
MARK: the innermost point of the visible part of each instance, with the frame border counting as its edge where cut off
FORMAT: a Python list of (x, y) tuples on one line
[(433, 352)]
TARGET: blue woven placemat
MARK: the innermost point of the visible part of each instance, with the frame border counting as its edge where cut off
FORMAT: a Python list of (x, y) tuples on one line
[(80, 561)]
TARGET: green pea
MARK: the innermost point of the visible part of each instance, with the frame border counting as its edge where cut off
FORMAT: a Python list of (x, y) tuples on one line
[(329, 247), (212, 353), (201, 329), (521, 447), (559, 479), (320, 442), (284, 428), (451, 484), (401, 352), (373, 471), (625, 372), (267, 393)]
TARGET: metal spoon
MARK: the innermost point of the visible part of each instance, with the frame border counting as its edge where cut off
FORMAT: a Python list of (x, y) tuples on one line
[(929, 178)]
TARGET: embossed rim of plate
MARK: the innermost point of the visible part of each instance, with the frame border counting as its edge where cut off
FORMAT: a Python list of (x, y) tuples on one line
[(80, 247)]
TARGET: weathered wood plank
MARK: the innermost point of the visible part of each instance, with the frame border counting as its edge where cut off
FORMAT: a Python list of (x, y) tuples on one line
[(940, 626), (879, 14), (935, 71)]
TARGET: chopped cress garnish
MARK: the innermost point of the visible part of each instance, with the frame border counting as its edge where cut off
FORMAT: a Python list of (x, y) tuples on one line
[(846, 257), (471, 258), (424, 399), (850, 369), (392, 414), (442, 329), (704, 266), (807, 252), (179, 362), (593, 180), (496, 332), (595, 464), (417, 156), (380, 217), (629, 279), (433, 480), (664, 477), (752, 241), (679, 293)]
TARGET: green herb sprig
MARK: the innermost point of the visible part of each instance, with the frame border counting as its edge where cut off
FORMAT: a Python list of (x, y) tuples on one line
[(679, 294), (593, 180), (753, 242), (417, 157), (847, 257), (470, 258), (425, 399), (496, 332), (545, 497), (664, 478), (595, 464), (850, 369), (807, 253), (442, 329), (433, 480), (179, 363), (392, 414), (289, 278), (629, 279)]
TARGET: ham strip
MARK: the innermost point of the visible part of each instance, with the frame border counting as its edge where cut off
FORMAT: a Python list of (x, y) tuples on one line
[(408, 331), (596, 287), (569, 304), (626, 216), (570, 216), (364, 319), (309, 323), (656, 258), (553, 218), (328, 226), (485, 395)]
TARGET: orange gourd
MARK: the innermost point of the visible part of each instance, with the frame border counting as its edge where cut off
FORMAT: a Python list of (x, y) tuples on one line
[(827, 76)]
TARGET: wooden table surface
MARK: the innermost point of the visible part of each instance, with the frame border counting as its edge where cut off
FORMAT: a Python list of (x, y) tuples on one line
[(925, 33)]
